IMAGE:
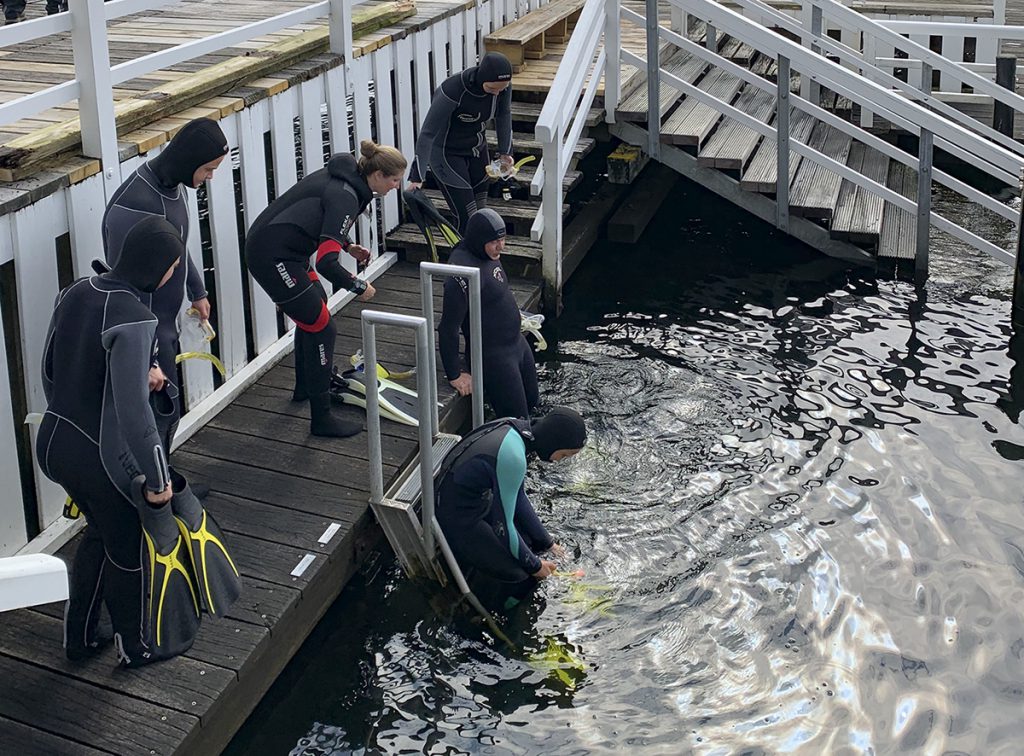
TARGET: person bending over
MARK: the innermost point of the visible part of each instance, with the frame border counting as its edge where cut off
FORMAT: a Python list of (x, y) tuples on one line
[(452, 144), (315, 217), (483, 509)]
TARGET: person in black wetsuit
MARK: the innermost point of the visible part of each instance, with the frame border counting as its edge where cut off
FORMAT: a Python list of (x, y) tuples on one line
[(157, 189), (316, 215), (99, 433), (510, 374), (452, 144), (484, 511)]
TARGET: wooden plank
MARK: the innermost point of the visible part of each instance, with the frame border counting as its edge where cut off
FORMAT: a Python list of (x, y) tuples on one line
[(526, 144), (529, 112), (88, 714), (693, 121), (408, 237), (534, 23), (899, 227), (686, 67), (732, 144), (858, 216), (181, 684), (761, 174), (815, 188), (644, 200), (28, 741)]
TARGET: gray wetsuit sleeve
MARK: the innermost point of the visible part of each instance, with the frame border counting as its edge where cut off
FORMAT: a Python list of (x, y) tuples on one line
[(503, 122), (194, 281), (454, 309), (438, 117), (129, 346)]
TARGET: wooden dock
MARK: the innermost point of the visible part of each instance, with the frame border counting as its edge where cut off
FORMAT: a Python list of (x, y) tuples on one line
[(285, 499)]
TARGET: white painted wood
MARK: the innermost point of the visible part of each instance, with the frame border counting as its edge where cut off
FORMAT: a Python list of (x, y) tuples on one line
[(439, 36), (406, 119), (952, 48), (424, 88), (35, 229), (254, 200), (13, 534), (337, 110), (310, 100), (282, 140), (470, 35), (456, 48), (197, 374), (85, 206), (31, 580), (484, 22), (228, 272), (362, 70), (385, 107)]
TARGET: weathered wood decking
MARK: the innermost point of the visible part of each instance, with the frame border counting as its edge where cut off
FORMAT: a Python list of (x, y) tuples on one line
[(284, 498)]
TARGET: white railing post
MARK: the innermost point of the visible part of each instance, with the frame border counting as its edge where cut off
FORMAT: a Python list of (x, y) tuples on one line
[(551, 206), (339, 26), (925, 155), (613, 61), (653, 82), (96, 101), (782, 152)]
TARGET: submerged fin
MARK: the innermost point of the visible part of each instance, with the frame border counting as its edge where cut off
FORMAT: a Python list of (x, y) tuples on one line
[(217, 580), (171, 606)]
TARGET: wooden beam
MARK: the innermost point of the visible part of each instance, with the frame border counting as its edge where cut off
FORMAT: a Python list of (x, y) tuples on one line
[(19, 156)]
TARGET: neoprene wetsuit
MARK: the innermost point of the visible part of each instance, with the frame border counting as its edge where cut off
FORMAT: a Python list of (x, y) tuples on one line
[(157, 189), (485, 514), (452, 142), (510, 374), (315, 215), (99, 431)]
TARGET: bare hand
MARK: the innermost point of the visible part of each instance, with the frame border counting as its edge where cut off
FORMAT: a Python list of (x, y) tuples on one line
[(203, 308), (158, 498), (367, 295), (358, 251), (463, 384), (413, 185), (546, 568), (557, 550), (157, 379), (506, 159)]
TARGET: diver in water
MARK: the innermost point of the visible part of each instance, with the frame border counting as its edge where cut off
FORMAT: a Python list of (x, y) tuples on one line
[(315, 216), (452, 144), (157, 189), (483, 509), (510, 374), (100, 441)]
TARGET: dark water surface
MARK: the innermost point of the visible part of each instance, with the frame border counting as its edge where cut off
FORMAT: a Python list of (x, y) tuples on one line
[(799, 515)]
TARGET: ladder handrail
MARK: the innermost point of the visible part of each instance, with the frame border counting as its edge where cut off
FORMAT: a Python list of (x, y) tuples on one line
[(994, 159), (427, 272)]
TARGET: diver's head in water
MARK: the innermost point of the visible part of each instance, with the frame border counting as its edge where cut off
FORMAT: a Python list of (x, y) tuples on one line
[(485, 234), (493, 73), (151, 252), (558, 435), (193, 154)]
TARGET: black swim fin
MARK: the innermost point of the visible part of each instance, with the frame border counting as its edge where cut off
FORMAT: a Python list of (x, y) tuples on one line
[(217, 581), (425, 215)]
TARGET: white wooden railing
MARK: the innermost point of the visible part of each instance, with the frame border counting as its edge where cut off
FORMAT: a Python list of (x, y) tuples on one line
[(382, 96)]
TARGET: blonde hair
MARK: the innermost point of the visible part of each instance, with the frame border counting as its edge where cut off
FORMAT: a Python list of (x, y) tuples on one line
[(378, 157)]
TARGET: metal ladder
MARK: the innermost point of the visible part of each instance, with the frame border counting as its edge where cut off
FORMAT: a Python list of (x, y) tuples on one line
[(416, 537)]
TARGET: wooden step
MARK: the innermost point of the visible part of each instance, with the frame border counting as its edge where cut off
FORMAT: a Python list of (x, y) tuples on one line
[(815, 189), (407, 237), (529, 112), (761, 174), (858, 216), (681, 64), (527, 172), (732, 144), (524, 144), (513, 211), (693, 121), (898, 238)]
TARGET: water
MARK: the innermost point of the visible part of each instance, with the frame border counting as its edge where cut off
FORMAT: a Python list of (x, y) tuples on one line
[(799, 516)]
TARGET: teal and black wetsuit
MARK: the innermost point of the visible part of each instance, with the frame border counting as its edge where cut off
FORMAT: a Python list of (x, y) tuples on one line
[(485, 514)]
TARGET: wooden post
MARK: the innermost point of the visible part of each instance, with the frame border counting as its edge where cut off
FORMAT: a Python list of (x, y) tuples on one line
[(1017, 311), (96, 103), (1006, 76), (653, 82), (782, 152)]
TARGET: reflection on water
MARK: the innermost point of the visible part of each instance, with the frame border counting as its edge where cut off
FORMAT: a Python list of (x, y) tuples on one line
[(799, 519)]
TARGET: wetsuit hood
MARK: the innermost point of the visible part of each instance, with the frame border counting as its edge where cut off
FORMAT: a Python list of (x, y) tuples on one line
[(201, 141), (345, 167), (484, 226), (492, 67), (561, 428), (150, 248)]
